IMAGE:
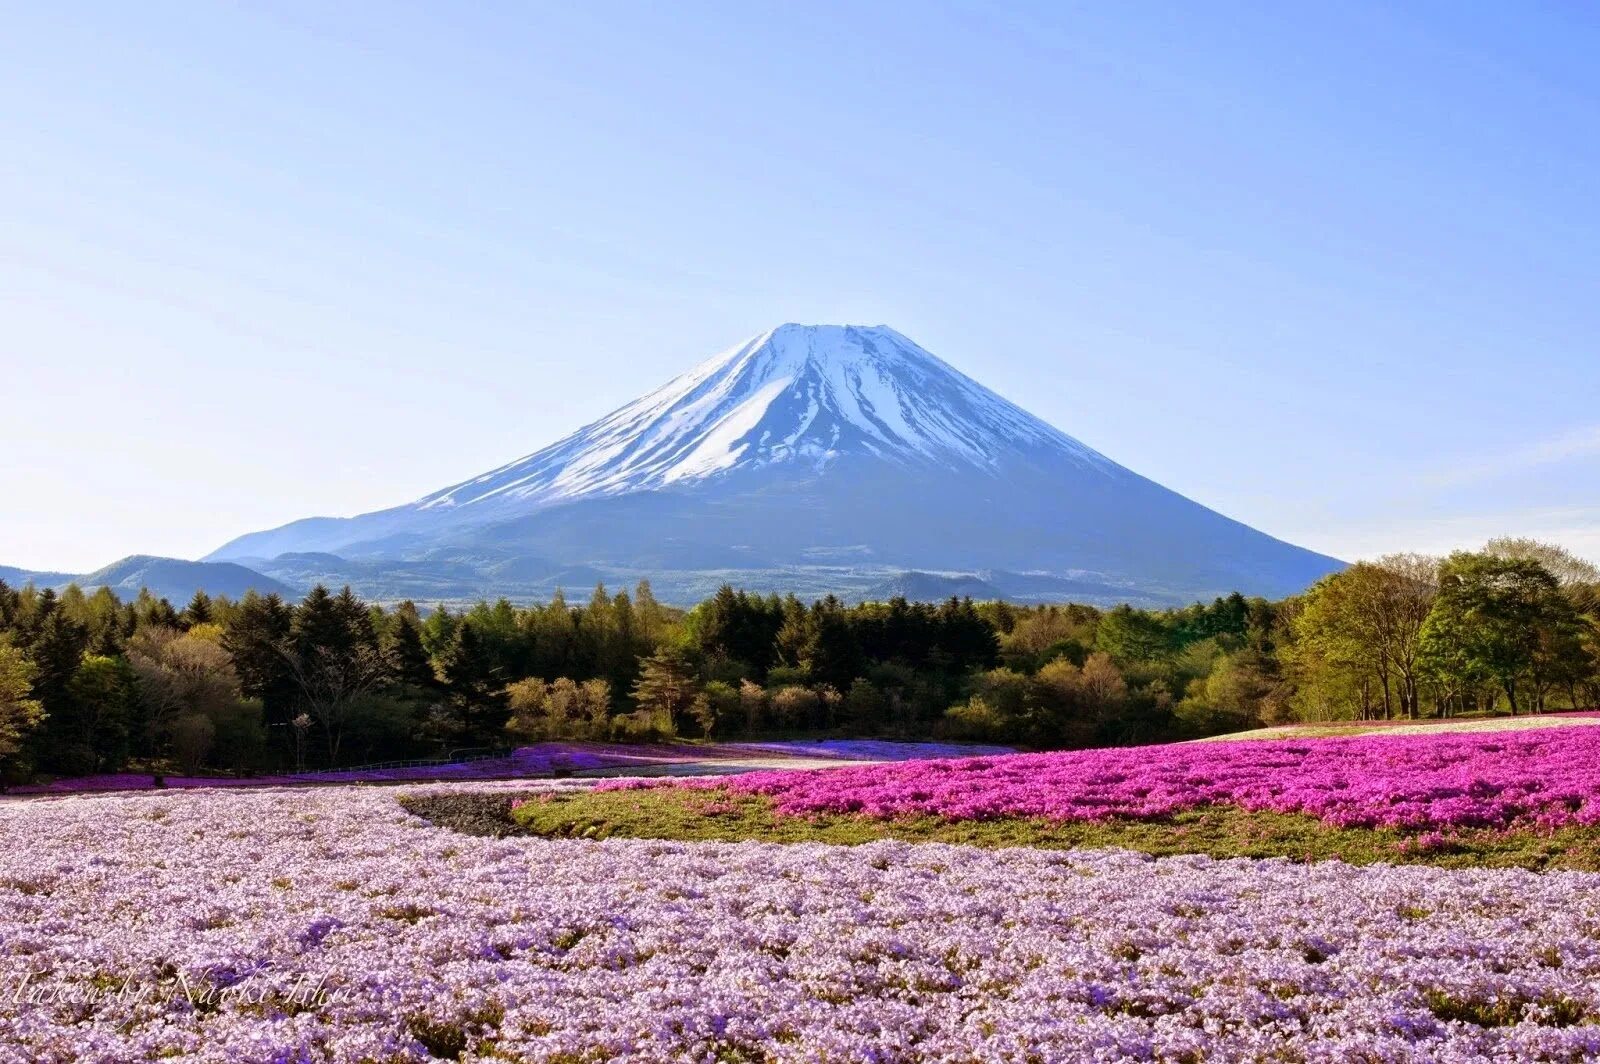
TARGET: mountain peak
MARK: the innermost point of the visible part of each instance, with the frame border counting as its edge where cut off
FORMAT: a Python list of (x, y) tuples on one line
[(793, 343), (798, 398), (829, 328)]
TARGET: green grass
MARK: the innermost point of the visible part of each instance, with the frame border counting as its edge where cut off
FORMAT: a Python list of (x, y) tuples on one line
[(1220, 831)]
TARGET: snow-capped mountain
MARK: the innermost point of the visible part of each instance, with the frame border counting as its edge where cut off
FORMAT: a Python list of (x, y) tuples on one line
[(798, 396), (818, 456)]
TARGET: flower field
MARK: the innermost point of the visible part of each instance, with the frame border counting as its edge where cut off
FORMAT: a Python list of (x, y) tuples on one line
[(1402, 726), (549, 759), (1545, 778), (294, 925)]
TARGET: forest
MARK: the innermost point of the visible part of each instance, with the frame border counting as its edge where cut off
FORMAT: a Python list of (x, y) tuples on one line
[(93, 684)]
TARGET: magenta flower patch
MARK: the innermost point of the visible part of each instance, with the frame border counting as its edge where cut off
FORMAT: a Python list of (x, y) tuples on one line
[(1547, 777)]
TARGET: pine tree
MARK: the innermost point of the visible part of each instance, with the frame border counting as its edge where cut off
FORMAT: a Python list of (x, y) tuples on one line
[(55, 647), (965, 637), (109, 622), (409, 663), (668, 686), (319, 627), (439, 631), (152, 611), (334, 660), (832, 655), (360, 633), (258, 639), (198, 611), (794, 635), (476, 690)]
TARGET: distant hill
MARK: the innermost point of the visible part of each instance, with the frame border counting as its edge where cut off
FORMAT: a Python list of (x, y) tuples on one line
[(169, 578), (38, 578), (994, 585), (932, 587), (811, 458), (178, 580)]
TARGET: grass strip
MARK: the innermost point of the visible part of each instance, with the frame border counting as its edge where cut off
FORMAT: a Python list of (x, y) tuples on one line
[(1218, 831)]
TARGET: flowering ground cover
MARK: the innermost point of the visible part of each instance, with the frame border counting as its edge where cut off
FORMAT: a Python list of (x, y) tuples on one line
[(542, 760), (869, 749), (1403, 726), (139, 781), (1548, 778), (685, 814), (331, 925)]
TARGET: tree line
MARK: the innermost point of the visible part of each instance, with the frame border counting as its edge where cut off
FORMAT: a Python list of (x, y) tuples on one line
[(90, 683)]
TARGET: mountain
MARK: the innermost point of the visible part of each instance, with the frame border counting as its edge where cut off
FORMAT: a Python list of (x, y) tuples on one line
[(15, 577), (813, 458), (170, 578), (1013, 587), (178, 580), (933, 587)]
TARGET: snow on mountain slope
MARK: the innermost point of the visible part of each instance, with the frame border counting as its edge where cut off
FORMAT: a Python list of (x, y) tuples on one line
[(802, 396), (828, 457)]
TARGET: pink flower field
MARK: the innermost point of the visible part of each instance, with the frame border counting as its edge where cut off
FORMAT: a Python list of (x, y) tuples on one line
[(1548, 777)]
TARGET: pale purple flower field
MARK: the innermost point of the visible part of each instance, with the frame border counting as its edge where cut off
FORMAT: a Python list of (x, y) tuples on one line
[(544, 760), (294, 925)]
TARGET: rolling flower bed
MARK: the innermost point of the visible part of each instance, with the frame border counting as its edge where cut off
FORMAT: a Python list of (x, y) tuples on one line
[(329, 925), (1545, 778)]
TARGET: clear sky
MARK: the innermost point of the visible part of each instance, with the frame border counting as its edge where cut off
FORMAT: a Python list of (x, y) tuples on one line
[(1333, 269)]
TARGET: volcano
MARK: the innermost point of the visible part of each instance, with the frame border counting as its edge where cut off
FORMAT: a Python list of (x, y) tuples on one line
[(813, 458)]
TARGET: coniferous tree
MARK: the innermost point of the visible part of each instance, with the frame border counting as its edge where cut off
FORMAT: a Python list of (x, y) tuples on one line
[(154, 612), (501, 638), (794, 634), (109, 623), (439, 631), (334, 660), (319, 627), (257, 637), (408, 661), (668, 686), (832, 655), (740, 627), (650, 615), (198, 611), (55, 646), (356, 621), (475, 688), (966, 638), (74, 604)]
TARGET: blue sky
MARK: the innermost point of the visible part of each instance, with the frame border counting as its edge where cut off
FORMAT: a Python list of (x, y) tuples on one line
[(1331, 269)]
